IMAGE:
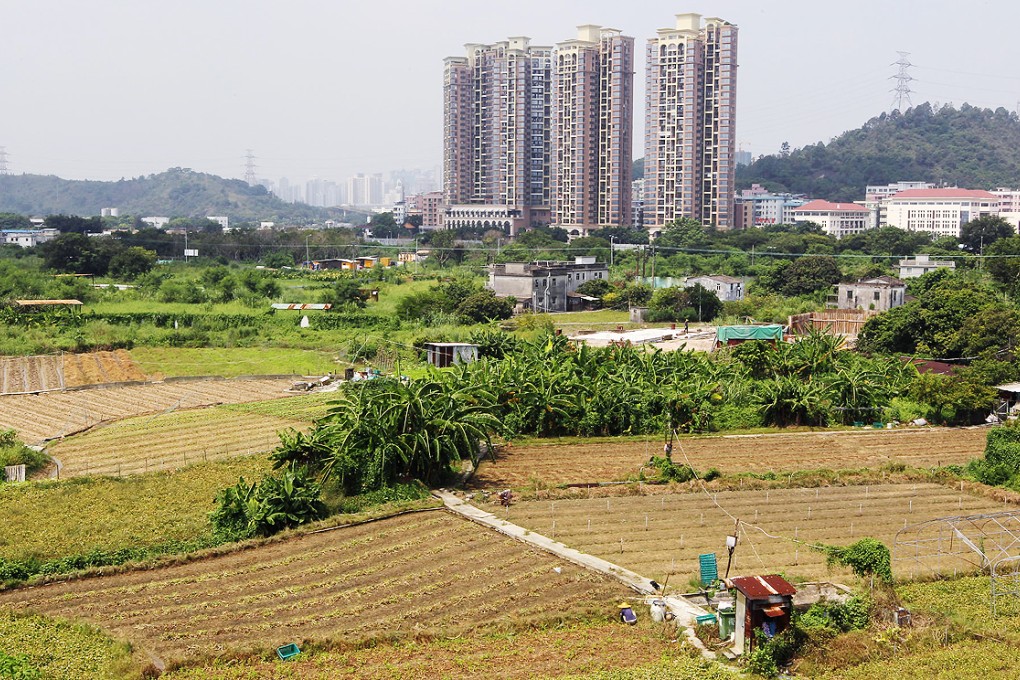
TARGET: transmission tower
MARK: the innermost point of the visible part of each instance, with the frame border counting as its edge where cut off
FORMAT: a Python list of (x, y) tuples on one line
[(249, 168), (4, 167), (901, 93)]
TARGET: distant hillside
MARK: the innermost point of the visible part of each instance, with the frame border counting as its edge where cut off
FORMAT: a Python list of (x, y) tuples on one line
[(968, 147), (174, 193)]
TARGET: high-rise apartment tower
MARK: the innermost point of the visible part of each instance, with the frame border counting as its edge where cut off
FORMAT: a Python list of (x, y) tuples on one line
[(592, 145), (497, 134), (690, 123)]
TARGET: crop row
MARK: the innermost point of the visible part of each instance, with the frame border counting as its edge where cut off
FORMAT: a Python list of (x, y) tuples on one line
[(660, 534), (38, 417), (419, 573), (167, 441), (611, 461)]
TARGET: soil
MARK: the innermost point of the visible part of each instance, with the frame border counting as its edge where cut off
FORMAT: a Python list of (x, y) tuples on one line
[(424, 574), (590, 463)]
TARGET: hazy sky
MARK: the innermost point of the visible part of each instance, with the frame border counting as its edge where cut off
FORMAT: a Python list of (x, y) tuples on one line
[(103, 89)]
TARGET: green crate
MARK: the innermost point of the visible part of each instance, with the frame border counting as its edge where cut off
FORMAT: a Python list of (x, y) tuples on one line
[(287, 651)]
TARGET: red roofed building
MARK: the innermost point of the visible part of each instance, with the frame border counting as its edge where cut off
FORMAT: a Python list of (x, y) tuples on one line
[(763, 603), (836, 219), (940, 212)]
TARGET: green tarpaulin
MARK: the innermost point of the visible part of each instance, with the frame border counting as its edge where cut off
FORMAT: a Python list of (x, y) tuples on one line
[(727, 333)]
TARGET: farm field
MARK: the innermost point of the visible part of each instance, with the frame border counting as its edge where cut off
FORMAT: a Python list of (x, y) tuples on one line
[(38, 417), (421, 574), (167, 441), (61, 649), (57, 371), (304, 407), (232, 362), (566, 463), (579, 649), (664, 533), (55, 519)]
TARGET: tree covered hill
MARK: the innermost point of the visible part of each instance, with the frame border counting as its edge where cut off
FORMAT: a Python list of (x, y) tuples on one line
[(177, 192), (967, 147)]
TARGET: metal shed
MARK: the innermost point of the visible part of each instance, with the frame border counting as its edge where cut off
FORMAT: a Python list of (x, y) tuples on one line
[(446, 354), (760, 600)]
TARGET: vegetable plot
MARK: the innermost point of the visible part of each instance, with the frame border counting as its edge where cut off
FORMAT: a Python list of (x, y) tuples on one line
[(421, 573)]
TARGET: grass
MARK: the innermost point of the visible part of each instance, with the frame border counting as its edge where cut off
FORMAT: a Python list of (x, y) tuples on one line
[(52, 648), (56, 519), (954, 637), (307, 407), (596, 317), (581, 649), (232, 362)]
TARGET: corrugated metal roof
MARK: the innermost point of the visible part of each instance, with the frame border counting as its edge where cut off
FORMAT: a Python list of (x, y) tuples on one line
[(762, 587)]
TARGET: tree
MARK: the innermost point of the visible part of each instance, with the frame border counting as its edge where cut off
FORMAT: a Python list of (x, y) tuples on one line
[(14, 221), (279, 259), (683, 233), (70, 252), (809, 274), (131, 263), (484, 306), (982, 232), (72, 224), (1004, 266), (345, 292), (685, 304), (384, 226)]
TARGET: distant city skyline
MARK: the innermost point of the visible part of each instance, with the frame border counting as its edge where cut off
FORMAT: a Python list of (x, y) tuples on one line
[(112, 88)]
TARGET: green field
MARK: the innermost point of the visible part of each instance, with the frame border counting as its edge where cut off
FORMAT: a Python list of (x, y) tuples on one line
[(39, 647), (56, 519), (233, 361)]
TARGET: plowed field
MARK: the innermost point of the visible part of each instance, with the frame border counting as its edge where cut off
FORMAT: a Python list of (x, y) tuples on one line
[(54, 372), (657, 534), (422, 573), (613, 461), (166, 441), (37, 417)]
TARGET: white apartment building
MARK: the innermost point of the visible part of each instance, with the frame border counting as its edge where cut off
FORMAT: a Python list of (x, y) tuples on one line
[(766, 207), (940, 212), (875, 195), (726, 288), (836, 219), (1009, 205)]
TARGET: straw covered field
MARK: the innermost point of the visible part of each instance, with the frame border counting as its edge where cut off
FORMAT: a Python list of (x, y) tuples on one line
[(426, 573), (54, 372), (38, 417), (167, 441), (662, 533), (589, 463)]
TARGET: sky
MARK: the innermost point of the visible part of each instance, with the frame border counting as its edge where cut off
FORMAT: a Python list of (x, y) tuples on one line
[(105, 89)]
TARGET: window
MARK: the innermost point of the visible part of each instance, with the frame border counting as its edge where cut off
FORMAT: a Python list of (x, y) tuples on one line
[(878, 295)]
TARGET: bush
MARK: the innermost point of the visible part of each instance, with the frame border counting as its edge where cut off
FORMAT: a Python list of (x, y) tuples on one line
[(867, 557), (13, 452), (263, 509)]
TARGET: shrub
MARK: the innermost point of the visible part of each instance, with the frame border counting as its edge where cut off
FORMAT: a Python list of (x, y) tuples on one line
[(263, 509), (867, 557)]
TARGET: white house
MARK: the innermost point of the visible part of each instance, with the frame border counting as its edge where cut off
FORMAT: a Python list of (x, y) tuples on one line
[(881, 293), (836, 219), (726, 288), (919, 265)]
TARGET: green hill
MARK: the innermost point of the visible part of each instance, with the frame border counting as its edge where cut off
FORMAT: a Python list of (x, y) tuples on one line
[(967, 147), (178, 192)]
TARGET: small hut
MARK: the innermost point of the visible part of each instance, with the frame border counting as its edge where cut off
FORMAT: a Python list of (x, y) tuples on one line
[(763, 603), (446, 354)]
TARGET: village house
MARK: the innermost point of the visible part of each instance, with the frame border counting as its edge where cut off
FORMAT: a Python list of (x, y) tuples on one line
[(546, 286), (881, 294)]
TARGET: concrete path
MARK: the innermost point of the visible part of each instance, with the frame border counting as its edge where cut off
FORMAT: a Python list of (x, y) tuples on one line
[(684, 611)]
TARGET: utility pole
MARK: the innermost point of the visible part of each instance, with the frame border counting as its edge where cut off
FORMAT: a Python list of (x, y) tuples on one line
[(308, 257), (185, 244), (4, 167), (901, 93), (612, 249)]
